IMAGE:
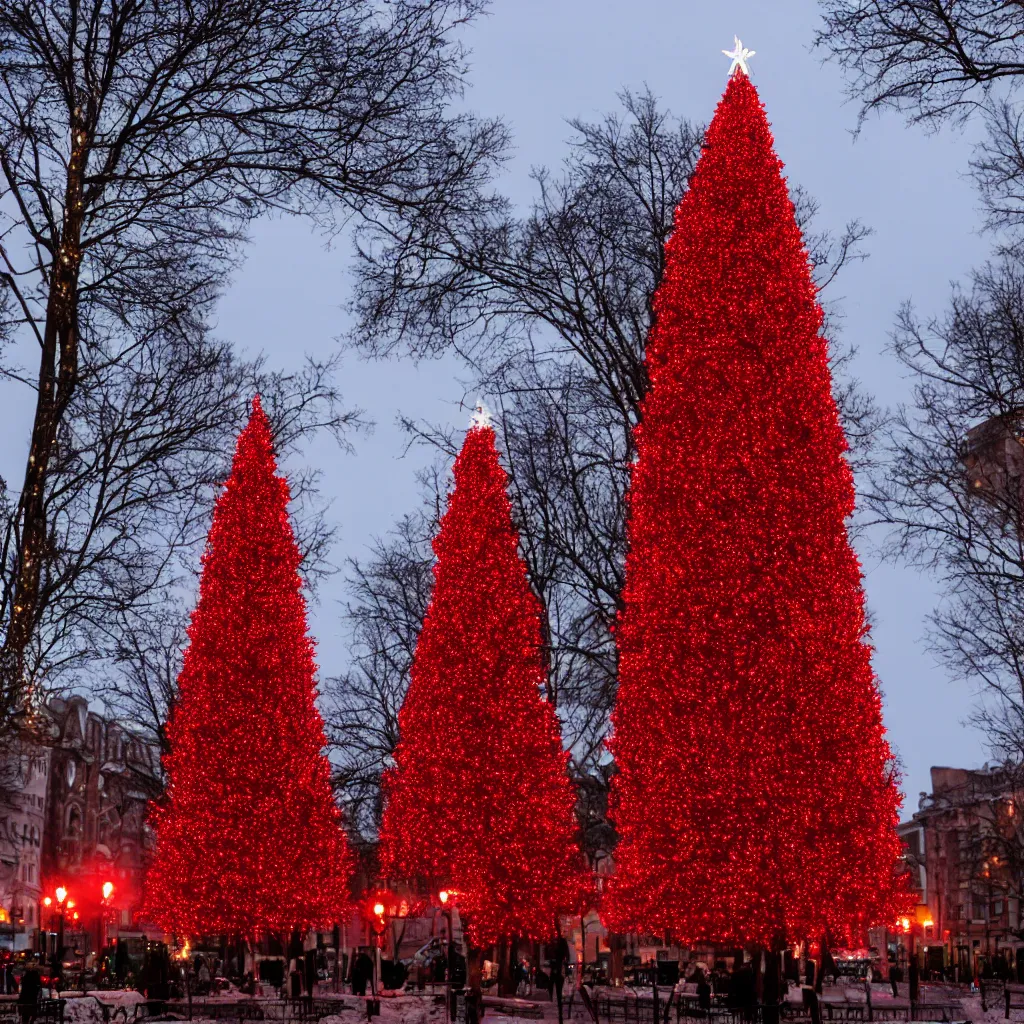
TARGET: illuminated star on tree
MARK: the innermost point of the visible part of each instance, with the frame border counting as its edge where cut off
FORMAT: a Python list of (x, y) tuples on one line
[(740, 55), (481, 417)]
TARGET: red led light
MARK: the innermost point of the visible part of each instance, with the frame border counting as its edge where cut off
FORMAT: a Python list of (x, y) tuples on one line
[(755, 795), (249, 839), (479, 800)]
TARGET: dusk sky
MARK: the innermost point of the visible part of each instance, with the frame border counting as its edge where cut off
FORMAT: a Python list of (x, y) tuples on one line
[(538, 63)]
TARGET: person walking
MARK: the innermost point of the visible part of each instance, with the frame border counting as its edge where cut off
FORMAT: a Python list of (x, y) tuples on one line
[(895, 977), (559, 964), (28, 996), (203, 978), (362, 973)]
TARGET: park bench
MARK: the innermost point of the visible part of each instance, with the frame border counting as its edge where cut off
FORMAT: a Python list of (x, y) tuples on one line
[(937, 1010), (992, 994), (1014, 1001), (513, 1007)]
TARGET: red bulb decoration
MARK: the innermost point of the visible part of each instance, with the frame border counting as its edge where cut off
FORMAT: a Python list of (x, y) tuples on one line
[(249, 838), (756, 796), (479, 802)]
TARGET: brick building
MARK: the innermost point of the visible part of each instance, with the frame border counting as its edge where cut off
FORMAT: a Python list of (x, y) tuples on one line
[(72, 814), (964, 848), (102, 775)]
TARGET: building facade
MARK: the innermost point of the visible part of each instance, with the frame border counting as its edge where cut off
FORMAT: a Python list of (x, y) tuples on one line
[(73, 815), (102, 776), (964, 849), (24, 777)]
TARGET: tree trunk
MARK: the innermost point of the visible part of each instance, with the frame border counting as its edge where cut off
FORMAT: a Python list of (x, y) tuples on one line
[(771, 986), (474, 984), (617, 970), (506, 985), (58, 377), (819, 966)]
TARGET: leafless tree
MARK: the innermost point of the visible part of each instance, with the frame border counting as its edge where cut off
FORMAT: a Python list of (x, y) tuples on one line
[(926, 57), (389, 592), (949, 487), (138, 139), (938, 61), (551, 312)]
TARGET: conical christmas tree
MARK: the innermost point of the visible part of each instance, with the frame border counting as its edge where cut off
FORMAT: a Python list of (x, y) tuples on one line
[(249, 838), (755, 795), (479, 800)]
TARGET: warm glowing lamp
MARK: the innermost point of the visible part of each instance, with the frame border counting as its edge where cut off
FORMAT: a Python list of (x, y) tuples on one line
[(108, 888), (905, 923), (378, 909), (443, 895), (928, 923), (47, 901), (62, 894)]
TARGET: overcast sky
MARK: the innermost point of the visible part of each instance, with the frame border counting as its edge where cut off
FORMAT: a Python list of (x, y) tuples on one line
[(539, 62)]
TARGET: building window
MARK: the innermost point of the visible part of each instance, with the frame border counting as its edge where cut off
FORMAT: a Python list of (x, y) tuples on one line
[(997, 908)]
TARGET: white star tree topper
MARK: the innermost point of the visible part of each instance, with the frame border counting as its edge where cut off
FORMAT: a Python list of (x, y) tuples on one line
[(481, 415), (740, 55)]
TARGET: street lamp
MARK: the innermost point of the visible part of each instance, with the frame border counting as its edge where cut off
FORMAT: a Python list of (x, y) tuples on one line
[(107, 890), (445, 896), (63, 903)]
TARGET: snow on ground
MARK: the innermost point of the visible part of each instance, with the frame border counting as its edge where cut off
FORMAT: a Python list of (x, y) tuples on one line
[(424, 1009)]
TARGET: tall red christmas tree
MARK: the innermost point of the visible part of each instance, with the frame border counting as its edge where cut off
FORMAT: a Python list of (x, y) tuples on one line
[(755, 796), (479, 800), (249, 838)]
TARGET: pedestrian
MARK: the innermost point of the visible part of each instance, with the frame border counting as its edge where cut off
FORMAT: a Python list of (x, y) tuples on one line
[(559, 964), (362, 973), (203, 978), (31, 990), (703, 991), (895, 977)]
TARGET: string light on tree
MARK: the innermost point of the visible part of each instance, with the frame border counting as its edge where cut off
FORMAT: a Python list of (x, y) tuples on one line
[(755, 793), (249, 839), (479, 801)]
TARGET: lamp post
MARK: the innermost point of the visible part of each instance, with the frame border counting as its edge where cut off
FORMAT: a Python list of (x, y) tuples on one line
[(378, 926), (106, 892), (446, 909), (62, 895)]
